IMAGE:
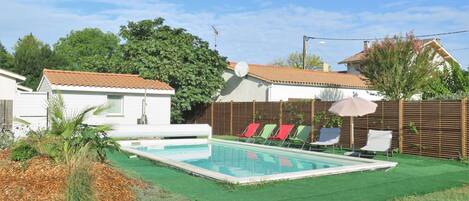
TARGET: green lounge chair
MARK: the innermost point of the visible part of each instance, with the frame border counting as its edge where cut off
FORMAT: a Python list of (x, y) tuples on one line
[(266, 132), (301, 135)]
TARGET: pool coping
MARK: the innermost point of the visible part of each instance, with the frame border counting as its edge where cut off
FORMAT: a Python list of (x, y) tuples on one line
[(370, 165)]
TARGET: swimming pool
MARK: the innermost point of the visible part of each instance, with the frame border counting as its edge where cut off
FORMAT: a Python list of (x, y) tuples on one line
[(243, 163)]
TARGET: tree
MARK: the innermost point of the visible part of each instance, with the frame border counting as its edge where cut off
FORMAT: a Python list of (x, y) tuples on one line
[(87, 49), (450, 82), (31, 56), (399, 67), (295, 59), (6, 59), (330, 94), (157, 51)]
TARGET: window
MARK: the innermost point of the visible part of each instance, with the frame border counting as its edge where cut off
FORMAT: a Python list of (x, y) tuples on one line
[(115, 104)]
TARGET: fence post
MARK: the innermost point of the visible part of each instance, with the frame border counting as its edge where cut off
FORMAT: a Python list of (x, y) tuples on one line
[(253, 111), (281, 113), (231, 117), (211, 117), (464, 127), (401, 126), (351, 134), (312, 120)]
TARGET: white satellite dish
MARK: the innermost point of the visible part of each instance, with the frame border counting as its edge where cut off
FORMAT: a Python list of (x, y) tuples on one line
[(241, 69)]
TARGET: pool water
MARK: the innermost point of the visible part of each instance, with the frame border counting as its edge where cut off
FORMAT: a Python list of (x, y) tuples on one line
[(242, 160)]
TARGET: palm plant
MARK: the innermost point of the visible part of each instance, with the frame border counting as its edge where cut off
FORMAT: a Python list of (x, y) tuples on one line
[(73, 133)]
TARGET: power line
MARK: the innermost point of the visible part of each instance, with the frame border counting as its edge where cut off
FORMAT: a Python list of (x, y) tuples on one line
[(458, 49), (362, 39)]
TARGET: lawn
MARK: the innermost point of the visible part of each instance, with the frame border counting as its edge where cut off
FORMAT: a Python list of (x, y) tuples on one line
[(413, 176)]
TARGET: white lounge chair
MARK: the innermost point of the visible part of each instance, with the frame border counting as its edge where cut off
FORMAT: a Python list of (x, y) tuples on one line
[(327, 137), (378, 141)]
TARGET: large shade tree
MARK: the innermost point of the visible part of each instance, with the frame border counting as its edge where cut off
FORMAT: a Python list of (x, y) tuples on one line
[(31, 56), (88, 49), (399, 67), (295, 59), (157, 51)]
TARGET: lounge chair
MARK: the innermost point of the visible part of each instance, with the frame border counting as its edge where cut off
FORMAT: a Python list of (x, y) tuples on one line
[(378, 141), (265, 133), (327, 137), (302, 135), (249, 131), (282, 133)]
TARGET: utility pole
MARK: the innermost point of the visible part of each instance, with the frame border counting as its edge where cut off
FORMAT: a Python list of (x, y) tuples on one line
[(305, 43)]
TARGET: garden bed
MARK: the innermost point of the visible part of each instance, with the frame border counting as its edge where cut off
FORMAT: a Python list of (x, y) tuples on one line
[(42, 179)]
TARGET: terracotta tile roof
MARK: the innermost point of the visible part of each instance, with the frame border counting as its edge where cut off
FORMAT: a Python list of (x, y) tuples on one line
[(91, 79), (295, 76), (360, 56)]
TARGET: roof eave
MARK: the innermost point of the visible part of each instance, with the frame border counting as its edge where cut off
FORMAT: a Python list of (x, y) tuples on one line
[(56, 87), (12, 75)]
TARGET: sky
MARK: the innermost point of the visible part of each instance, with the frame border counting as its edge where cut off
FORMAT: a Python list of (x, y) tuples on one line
[(254, 31)]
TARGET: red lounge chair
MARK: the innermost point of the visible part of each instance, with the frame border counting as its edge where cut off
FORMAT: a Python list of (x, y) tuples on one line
[(282, 133), (249, 131)]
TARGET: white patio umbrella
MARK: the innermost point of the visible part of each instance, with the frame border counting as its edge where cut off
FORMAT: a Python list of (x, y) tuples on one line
[(353, 107)]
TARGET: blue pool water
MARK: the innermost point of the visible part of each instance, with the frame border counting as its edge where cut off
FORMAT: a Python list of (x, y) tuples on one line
[(243, 160)]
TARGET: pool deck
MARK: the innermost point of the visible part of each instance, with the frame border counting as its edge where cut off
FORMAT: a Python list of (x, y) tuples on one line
[(367, 164)]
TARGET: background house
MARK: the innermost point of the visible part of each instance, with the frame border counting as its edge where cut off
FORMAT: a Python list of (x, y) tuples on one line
[(442, 57), (10, 84), (124, 93), (272, 83)]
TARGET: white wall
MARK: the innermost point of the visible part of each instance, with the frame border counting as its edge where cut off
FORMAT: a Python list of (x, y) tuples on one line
[(32, 108), (7, 87), (242, 89), (284, 92), (158, 107)]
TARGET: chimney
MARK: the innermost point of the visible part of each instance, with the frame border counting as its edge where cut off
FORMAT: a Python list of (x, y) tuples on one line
[(365, 45), (326, 67)]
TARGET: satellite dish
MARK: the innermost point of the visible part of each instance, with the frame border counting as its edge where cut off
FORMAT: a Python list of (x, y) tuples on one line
[(241, 69)]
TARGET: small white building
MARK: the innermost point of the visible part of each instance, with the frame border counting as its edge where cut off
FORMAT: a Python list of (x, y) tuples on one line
[(9, 84), (124, 94), (273, 83)]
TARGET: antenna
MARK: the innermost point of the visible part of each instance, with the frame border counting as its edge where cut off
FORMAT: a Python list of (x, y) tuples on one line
[(215, 34)]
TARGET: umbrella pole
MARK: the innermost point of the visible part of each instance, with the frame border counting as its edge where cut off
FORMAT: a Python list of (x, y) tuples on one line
[(352, 133)]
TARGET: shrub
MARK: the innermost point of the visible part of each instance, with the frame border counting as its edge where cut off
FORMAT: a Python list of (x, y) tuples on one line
[(329, 120), (6, 138), (23, 151), (97, 140)]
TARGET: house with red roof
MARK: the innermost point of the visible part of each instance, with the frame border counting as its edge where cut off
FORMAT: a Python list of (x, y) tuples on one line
[(129, 97), (278, 83), (442, 56)]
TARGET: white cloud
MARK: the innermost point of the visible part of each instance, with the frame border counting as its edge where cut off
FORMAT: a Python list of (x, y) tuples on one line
[(255, 36)]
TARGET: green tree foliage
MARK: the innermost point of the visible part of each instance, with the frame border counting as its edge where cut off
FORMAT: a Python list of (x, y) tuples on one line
[(88, 49), (295, 59), (399, 67), (449, 83), (6, 59), (31, 57), (174, 56)]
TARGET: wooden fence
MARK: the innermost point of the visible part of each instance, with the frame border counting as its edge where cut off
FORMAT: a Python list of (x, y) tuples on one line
[(6, 114), (426, 128)]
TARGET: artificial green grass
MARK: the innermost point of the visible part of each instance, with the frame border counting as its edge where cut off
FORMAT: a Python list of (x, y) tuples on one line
[(453, 194), (413, 176)]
